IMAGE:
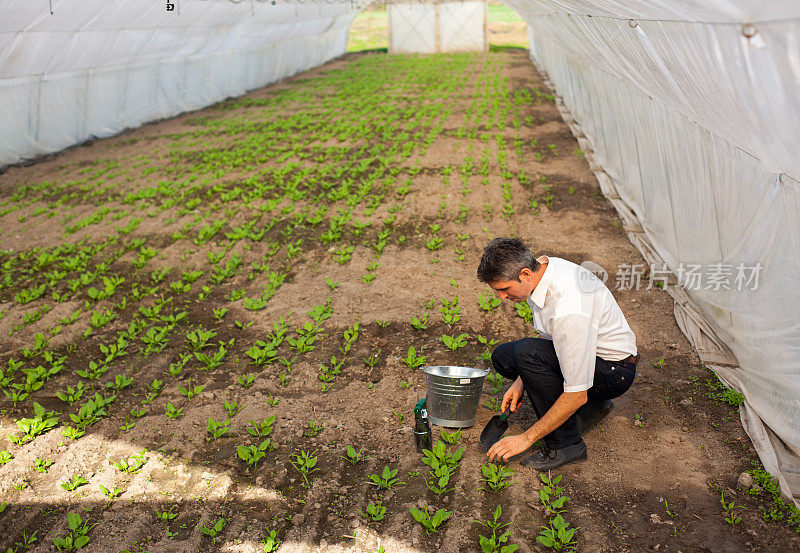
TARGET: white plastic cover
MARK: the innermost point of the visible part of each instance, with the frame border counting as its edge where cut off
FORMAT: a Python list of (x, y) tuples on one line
[(94, 67), (439, 26), (692, 110)]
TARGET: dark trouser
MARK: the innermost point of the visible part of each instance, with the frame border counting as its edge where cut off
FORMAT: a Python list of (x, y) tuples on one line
[(535, 360)]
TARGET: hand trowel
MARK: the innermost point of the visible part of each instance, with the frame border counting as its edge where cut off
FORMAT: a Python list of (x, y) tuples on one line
[(494, 430)]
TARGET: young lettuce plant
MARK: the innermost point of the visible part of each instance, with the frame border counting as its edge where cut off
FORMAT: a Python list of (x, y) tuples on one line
[(453, 343), (412, 360), (217, 429), (374, 512), (261, 429), (495, 543), (430, 523), (252, 454), (305, 463), (387, 479), (353, 456), (496, 476), (77, 537)]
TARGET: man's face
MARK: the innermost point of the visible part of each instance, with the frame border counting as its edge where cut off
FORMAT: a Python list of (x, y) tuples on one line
[(515, 290)]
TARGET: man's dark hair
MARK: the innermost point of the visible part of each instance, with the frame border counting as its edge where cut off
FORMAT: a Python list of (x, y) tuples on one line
[(503, 259)]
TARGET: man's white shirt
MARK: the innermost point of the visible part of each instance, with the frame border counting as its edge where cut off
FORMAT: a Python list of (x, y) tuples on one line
[(574, 309)]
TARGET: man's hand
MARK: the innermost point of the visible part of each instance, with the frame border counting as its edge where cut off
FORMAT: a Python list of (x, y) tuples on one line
[(508, 447), (513, 396)]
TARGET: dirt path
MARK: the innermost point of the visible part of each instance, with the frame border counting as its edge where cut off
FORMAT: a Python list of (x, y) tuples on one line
[(393, 154)]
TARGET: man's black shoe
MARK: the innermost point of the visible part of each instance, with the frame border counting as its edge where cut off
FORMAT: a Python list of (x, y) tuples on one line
[(547, 459), (592, 413)]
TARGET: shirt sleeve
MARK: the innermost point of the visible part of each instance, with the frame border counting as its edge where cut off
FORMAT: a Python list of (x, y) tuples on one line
[(575, 342)]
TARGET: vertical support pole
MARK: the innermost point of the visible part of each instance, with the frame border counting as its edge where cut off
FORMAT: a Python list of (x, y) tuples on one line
[(437, 31)]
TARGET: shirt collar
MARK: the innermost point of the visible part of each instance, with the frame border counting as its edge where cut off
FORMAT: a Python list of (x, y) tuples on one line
[(540, 292)]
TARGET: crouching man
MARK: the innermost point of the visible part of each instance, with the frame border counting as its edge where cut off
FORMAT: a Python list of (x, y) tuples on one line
[(585, 354)]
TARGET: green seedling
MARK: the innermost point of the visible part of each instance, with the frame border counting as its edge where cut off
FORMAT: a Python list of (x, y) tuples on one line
[(430, 523), (523, 311), (331, 284), (271, 542), (214, 360), (252, 454), (231, 408), (215, 529), (487, 353), (550, 494), (41, 422), (246, 380), (387, 479), (352, 456), (273, 401), (217, 429), (438, 481), (488, 302), (399, 417), (175, 369), (5, 457), (670, 511), (451, 311), (374, 512), (26, 541), (412, 360), (453, 343), (166, 515), (314, 426), (21, 486), (495, 543), (729, 508), (127, 425), (558, 535), (261, 429), (373, 359), (77, 537), (305, 463), (172, 411), (496, 476), (72, 433), (72, 395), (191, 391), (75, 483), (120, 382), (131, 465), (219, 313), (111, 494), (450, 437), (434, 243), (420, 323), (41, 465)]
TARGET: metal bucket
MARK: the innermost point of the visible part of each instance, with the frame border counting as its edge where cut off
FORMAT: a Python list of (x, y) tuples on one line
[(453, 394)]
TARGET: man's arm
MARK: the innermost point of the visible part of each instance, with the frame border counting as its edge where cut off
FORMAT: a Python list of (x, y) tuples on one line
[(566, 404)]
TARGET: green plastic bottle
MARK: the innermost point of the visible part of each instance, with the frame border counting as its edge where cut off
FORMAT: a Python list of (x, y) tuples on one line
[(422, 428)]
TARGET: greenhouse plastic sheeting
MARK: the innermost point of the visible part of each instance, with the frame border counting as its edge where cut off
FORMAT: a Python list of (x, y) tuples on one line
[(692, 113), (94, 68)]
